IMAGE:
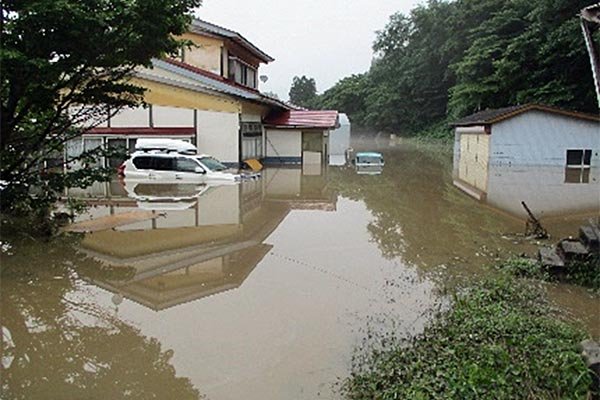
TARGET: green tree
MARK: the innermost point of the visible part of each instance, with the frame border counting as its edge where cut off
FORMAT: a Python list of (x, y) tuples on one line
[(349, 96), (525, 52), (447, 59), (303, 91), (65, 68)]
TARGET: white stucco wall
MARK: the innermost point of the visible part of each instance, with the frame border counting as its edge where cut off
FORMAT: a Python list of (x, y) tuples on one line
[(162, 117), (540, 138), (172, 117), (218, 135), (137, 117), (283, 143)]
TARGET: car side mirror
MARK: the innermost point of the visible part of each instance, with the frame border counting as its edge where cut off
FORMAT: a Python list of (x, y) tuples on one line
[(199, 170)]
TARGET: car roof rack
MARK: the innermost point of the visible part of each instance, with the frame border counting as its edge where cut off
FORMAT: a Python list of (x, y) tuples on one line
[(166, 146)]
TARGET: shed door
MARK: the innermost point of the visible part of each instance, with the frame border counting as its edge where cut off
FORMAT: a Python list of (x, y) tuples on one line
[(474, 159), (312, 148)]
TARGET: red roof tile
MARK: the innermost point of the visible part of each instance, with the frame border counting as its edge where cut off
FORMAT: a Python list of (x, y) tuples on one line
[(304, 119)]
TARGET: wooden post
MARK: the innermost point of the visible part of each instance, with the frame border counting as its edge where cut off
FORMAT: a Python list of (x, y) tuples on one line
[(533, 225)]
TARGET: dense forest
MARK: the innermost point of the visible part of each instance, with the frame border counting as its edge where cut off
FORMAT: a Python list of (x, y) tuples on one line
[(447, 59)]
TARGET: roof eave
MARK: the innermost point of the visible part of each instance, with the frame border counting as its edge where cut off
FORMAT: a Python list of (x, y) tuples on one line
[(233, 36), (527, 108)]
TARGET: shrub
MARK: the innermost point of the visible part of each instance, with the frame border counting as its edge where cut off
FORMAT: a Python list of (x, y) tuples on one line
[(498, 341)]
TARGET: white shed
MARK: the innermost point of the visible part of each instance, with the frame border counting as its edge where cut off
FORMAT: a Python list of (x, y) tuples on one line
[(339, 141), (528, 135), (299, 137)]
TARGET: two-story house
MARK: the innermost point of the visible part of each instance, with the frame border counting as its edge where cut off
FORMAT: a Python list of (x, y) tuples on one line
[(209, 95)]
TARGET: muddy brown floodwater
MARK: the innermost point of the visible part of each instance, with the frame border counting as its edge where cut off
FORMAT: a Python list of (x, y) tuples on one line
[(262, 290)]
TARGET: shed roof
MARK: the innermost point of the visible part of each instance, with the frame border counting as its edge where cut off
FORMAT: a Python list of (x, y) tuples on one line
[(200, 26), (489, 117), (327, 119)]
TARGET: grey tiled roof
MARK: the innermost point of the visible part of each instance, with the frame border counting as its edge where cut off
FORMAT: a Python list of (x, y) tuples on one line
[(485, 116), (491, 116), (206, 81), (199, 26)]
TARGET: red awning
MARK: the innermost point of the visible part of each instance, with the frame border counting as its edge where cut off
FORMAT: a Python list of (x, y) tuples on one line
[(142, 131), (303, 119)]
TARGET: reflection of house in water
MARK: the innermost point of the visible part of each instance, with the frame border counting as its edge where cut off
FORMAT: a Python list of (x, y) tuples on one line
[(209, 245), (544, 156)]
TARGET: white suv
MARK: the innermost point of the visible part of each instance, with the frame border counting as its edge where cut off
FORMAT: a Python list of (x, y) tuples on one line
[(175, 167)]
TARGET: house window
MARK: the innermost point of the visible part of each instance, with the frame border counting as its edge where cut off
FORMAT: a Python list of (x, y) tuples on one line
[(577, 175), (242, 73), (251, 78), (91, 144), (114, 144), (252, 144), (579, 158), (578, 166)]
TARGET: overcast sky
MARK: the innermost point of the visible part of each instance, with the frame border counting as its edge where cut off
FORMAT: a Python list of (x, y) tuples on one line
[(323, 39)]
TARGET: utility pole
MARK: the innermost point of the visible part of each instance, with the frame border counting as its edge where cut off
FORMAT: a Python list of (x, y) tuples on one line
[(590, 22)]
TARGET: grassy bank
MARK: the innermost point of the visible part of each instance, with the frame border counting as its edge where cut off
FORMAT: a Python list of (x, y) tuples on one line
[(500, 340), (584, 273)]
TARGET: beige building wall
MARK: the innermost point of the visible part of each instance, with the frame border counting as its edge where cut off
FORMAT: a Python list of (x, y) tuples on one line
[(171, 96), (205, 53), (474, 159)]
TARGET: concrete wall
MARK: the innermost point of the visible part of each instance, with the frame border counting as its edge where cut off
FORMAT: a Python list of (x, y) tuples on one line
[(283, 143), (540, 138), (218, 135)]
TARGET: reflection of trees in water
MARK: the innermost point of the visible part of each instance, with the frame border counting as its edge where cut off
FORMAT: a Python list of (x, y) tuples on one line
[(58, 347), (418, 214)]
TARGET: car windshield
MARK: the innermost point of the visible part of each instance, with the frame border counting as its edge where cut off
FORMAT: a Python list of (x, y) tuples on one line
[(212, 163), (369, 160)]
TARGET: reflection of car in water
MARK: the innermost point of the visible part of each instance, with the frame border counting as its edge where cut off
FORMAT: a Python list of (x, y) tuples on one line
[(165, 196), (175, 160), (369, 163)]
